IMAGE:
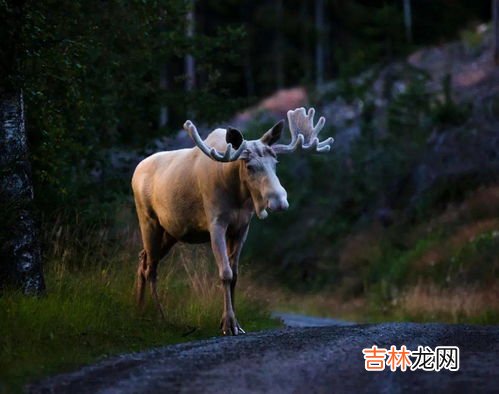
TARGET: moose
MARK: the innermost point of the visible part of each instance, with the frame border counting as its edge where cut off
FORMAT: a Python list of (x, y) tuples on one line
[(209, 193)]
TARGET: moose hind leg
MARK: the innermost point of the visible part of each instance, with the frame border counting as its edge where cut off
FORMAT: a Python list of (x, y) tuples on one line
[(151, 276), (156, 245), (141, 278), (151, 273)]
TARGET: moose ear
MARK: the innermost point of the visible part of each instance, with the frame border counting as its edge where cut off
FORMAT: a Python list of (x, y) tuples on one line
[(234, 137), (273, 135)]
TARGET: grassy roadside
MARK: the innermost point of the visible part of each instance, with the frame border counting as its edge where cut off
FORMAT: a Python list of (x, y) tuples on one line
[(422, 303), (89, 313)]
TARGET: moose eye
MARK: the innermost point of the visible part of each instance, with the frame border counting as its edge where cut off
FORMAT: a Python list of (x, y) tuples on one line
[(251, 167)]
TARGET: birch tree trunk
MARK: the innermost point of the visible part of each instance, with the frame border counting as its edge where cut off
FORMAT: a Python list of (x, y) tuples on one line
[(20, 256)]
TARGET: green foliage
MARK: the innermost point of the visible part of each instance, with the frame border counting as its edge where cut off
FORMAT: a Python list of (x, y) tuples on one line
[(472, 39), (448, 112), (473, 262), (90, 75), (381, 26), (408, 111), (392, 271)]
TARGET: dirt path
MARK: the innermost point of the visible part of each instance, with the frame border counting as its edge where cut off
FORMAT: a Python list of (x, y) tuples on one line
[(300, 360)]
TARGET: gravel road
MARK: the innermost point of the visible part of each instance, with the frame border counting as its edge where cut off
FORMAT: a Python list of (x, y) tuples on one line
[(324, 359)]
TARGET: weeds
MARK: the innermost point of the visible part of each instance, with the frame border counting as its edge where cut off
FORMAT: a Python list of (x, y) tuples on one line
[(89, 310), (427, 302)]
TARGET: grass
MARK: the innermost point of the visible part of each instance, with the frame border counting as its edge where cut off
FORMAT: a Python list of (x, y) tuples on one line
[(424, 302), (89, 311), (427, 302)]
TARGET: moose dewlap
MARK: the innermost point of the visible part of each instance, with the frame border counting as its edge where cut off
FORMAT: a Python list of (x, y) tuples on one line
[(210, 192)]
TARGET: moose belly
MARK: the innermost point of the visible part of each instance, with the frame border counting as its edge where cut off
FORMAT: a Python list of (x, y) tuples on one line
[(186, 231), (195, 237), (194, 230), (185, 227)]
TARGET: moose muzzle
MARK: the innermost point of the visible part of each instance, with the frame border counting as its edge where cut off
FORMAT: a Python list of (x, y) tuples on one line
[(278, 201)]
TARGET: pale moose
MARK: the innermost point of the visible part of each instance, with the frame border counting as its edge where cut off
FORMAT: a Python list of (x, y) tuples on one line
[(209, 193)]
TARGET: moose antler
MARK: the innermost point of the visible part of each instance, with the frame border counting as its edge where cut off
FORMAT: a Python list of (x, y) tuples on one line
[(229, 154), (304, 133)]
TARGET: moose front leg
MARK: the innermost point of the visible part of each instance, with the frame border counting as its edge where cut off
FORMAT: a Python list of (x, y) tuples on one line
[(229, 323), (235, 244)]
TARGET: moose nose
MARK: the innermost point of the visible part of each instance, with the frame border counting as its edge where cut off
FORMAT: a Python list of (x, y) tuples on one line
[(278, 204)]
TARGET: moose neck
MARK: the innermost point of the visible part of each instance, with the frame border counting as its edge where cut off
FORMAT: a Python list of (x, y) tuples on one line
[(235, 182)]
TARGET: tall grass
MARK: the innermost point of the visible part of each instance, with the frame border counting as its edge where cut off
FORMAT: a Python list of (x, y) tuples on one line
[(427, 302), (89, 310)]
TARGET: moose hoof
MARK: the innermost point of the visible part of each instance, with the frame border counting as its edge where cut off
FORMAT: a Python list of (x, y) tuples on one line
[(230, 326)]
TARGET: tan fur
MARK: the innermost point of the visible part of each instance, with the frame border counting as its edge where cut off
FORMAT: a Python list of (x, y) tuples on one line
[(186, 196), (209, 194)]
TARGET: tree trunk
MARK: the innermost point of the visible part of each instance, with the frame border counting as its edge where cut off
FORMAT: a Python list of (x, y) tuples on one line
[(21, 264), (278, 46), (308, 63), (248, 74), (408, 20), (163, 86), (495, 13), (245, 12), (190, 63), (319, 45)]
